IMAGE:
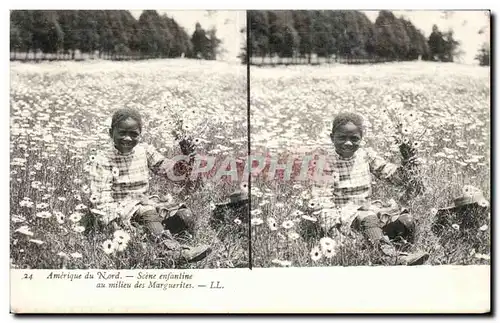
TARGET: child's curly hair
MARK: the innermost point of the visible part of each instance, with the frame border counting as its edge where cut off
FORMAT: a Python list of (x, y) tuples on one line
[(344, 118), (124, 114)]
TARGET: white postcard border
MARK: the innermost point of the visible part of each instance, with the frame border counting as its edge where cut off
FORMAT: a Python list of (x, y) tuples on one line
[(402, 289)]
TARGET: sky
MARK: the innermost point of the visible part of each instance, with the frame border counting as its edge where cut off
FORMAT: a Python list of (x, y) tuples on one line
[(465, 25)]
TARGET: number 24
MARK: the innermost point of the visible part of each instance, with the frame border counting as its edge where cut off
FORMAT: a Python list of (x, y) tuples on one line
[(28, 276)]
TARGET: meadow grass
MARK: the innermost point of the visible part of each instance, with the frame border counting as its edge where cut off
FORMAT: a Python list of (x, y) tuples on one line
[(291, 113), (60, 116)]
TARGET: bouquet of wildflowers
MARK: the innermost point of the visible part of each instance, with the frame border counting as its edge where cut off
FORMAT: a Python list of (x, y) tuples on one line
[(183, 129), (406, 137)]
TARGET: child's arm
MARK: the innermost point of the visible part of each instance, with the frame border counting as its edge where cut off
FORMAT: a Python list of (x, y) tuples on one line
[(156, 161), (396, 174), (162, 166), (383, 169)]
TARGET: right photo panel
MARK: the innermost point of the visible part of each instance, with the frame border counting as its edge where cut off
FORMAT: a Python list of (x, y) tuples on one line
[(369, 137)]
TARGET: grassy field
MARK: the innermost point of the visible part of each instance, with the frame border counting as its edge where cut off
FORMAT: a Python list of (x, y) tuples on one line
[(447, 107), (60, 114)]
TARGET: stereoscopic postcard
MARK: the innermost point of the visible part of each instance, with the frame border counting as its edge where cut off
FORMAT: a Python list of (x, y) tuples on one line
[(258, 161)]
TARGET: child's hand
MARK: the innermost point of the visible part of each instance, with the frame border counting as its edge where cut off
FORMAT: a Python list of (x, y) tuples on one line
[(417, 161), (407, 152), (413, 161), (187, 146), (146, 201)]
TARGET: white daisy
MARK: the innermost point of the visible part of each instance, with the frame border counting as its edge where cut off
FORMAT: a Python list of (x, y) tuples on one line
[(316, 253), (256, 221), (287, 224), (94, 198), (271, 222), (327, 243), (309, 218), (292, 235), (42, 205), (38, 242), (59, 217), (75, 217), (76, 255), (78, 228), (108, 246), (120, 245), (256, 212), (24, 230), (80, 207), (120, 235), (43, 215)]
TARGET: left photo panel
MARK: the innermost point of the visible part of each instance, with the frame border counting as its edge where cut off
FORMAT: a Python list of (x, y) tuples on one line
[(128, 136)]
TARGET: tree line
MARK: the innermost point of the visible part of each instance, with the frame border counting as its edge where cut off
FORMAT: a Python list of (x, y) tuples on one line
[(109, 33), (344, 33), (484, 53)]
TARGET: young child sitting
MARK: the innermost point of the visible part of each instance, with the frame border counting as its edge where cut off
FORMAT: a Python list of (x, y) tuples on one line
[(120, 184), (352, 167)]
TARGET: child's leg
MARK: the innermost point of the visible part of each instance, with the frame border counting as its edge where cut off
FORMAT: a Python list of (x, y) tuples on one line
[(181, 221), (369, 225), (147, 215), (403, 226)]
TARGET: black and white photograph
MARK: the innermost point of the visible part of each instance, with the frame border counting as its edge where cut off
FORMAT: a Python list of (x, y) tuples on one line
[(238, 161), (374, 132), (119, 121)]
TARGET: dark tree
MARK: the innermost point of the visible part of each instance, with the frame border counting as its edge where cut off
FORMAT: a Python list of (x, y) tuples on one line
[(323, 44), (436, 44), (200, 42), (258, 22), (89, 30), (418, 44), (114, 33), (275, 32), (151, 39), (392, 39), (483, 55), (386, 42), (303, 26), (23, 22), (206, 45), (451, 47), (47, 33), (16, 41), (443, 47), (290, 44), (213, 49), (181, 44), (69, 22), (244, 55), (358, 38)]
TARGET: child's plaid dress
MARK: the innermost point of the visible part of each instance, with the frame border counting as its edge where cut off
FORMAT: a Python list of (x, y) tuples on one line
[(348, 181), (120, 181)]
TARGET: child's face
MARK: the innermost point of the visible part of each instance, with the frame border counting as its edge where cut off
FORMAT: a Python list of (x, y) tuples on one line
[(346, 139), (126, 135)]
